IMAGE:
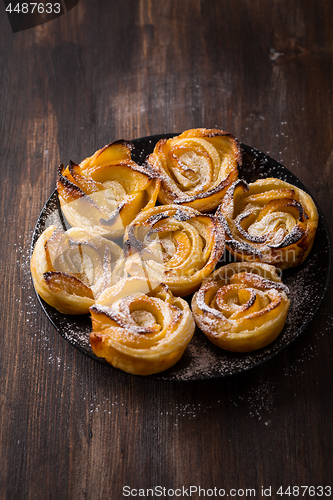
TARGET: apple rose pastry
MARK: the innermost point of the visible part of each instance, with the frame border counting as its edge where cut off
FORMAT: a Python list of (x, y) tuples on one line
[(106, 191), (174, 245), (196, 167), (269, 221), (71, 269), (242, 306), (140, 329)]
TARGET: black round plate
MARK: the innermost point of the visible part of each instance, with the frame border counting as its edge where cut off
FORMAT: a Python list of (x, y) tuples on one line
[(308, 284)]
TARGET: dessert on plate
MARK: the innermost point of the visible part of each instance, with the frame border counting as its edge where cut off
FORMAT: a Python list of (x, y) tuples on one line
[(105, 192), (269, 221), (242, 306), (140, 323), (196, 167), (175, 245), (140, 327), (70, 269)]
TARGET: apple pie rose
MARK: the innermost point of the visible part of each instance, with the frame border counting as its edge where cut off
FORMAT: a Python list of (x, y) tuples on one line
[(270, 221), (242, 306), (174, 245), (139, 329), (196, 167), (71, 269), (106, 191)]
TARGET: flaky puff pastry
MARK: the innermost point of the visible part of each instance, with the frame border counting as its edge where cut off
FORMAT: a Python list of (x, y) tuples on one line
[(270, 221), (140, 328), (242, 306), (196, 167), (174, 245), (106, 191), (71, 269)]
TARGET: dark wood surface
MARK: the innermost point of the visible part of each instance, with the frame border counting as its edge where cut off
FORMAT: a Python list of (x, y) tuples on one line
[(69, 427)]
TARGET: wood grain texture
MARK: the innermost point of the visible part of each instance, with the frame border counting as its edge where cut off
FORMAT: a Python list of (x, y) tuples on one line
[(69, 427)]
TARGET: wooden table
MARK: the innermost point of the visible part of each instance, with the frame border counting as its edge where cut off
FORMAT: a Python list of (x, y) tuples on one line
[(71, 428)]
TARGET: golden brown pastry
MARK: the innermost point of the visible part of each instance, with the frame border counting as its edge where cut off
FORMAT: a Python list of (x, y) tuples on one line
[(106, 191), (174, 245), (196, 167), (270, 221), (242, 306), (139, 329), (71, 269)]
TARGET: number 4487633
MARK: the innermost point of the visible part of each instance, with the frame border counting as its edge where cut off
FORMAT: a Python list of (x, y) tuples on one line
[(305, 491), (30, 8)]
